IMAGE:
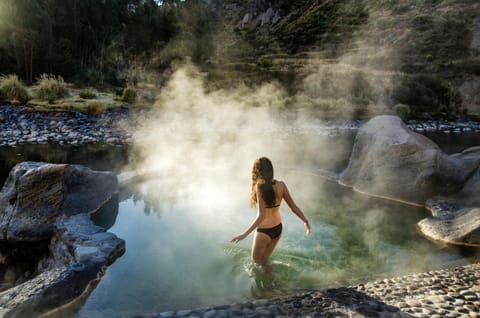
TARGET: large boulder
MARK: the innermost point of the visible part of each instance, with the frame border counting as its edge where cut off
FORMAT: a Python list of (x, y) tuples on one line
[(36, 194), (391, 161), (54, 204)]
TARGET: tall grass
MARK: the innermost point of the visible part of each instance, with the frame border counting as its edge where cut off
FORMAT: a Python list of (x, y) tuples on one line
[(51, 87), (12, 89), (95, 108), (129, 95)]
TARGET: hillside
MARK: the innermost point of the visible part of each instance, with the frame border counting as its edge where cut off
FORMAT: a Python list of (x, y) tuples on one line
[(360, 57)]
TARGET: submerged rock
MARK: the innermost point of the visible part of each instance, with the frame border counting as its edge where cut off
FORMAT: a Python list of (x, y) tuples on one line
[(389, 160), (53, 203)]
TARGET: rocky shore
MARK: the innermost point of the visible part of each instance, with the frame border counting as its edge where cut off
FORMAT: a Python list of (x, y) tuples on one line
[(451, 292), (20, 126)]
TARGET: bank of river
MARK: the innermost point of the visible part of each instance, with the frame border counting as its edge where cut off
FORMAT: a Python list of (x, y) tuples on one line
[(20, 126)]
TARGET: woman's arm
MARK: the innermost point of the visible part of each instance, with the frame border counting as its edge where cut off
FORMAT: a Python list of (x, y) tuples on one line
[(260, 217), (295, 209)]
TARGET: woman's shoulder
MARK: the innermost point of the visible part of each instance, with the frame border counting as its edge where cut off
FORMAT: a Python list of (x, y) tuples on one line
[(280, 183)]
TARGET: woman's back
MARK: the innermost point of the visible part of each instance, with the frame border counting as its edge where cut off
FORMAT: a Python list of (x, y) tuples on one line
[(272, 213)]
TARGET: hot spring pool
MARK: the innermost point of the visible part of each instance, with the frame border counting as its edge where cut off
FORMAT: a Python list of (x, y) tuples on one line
[(178, 254)]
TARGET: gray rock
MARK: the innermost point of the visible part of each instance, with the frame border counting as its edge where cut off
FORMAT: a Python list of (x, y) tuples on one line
[(47, 291), (463, 228), (83, 253), (246, 19), (267, 16), (389, 160), (45, 201), (456, 218), (36, 194)]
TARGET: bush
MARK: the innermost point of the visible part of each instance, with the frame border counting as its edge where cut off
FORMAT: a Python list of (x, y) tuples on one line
[(402, 111), (88, 94), (51, 88), (12, 89), (129, 95), (95, 108)]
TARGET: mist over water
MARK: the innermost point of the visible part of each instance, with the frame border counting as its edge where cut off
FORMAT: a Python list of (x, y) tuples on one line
[(204, 143)]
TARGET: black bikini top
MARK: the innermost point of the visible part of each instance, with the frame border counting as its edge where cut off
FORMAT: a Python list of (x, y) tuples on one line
[(273, 206)]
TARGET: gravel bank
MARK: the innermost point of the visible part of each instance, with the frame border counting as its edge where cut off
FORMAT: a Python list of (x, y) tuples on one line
[(451, 292), (19, 126)]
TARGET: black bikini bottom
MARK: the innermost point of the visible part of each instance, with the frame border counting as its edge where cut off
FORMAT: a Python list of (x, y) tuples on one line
[(273, 232)]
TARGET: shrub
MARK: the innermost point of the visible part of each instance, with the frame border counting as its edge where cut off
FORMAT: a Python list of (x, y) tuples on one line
[(94, 108), (129, 95), (50, 88), (88, 94), (12, 89), (402, 111)]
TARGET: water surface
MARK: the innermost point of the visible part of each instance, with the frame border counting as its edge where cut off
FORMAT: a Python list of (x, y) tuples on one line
[(178, 256), (178, 253)]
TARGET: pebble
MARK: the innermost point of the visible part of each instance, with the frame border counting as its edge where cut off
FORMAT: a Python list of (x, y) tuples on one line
[(364, 300), (445, 126), (17, 128)]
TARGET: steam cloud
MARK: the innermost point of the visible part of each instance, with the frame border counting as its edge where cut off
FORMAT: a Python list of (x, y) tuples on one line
[(203, 143)]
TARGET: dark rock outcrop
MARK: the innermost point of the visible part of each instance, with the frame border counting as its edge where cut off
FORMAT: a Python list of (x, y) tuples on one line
[(53, 203)]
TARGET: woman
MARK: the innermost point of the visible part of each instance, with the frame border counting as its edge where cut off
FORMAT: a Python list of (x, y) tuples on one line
[(268, 193)]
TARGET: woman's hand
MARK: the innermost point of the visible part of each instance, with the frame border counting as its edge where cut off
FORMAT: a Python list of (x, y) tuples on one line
[(238, 238), (307, 228)]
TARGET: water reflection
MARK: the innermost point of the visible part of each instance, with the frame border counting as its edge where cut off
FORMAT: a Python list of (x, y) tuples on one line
[(94, 156), (107, 214)]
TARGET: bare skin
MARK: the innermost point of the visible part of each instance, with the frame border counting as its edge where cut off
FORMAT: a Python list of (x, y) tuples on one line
[(263, 245)]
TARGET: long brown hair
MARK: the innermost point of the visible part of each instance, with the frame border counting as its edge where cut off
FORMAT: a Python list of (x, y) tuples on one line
[(262, 175)]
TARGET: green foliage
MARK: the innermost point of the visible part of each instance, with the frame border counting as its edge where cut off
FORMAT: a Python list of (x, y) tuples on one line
[(50, 88), (317, 22), (88, 94), (402, 110), (12, 89), (94, 108), (129, 95)]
